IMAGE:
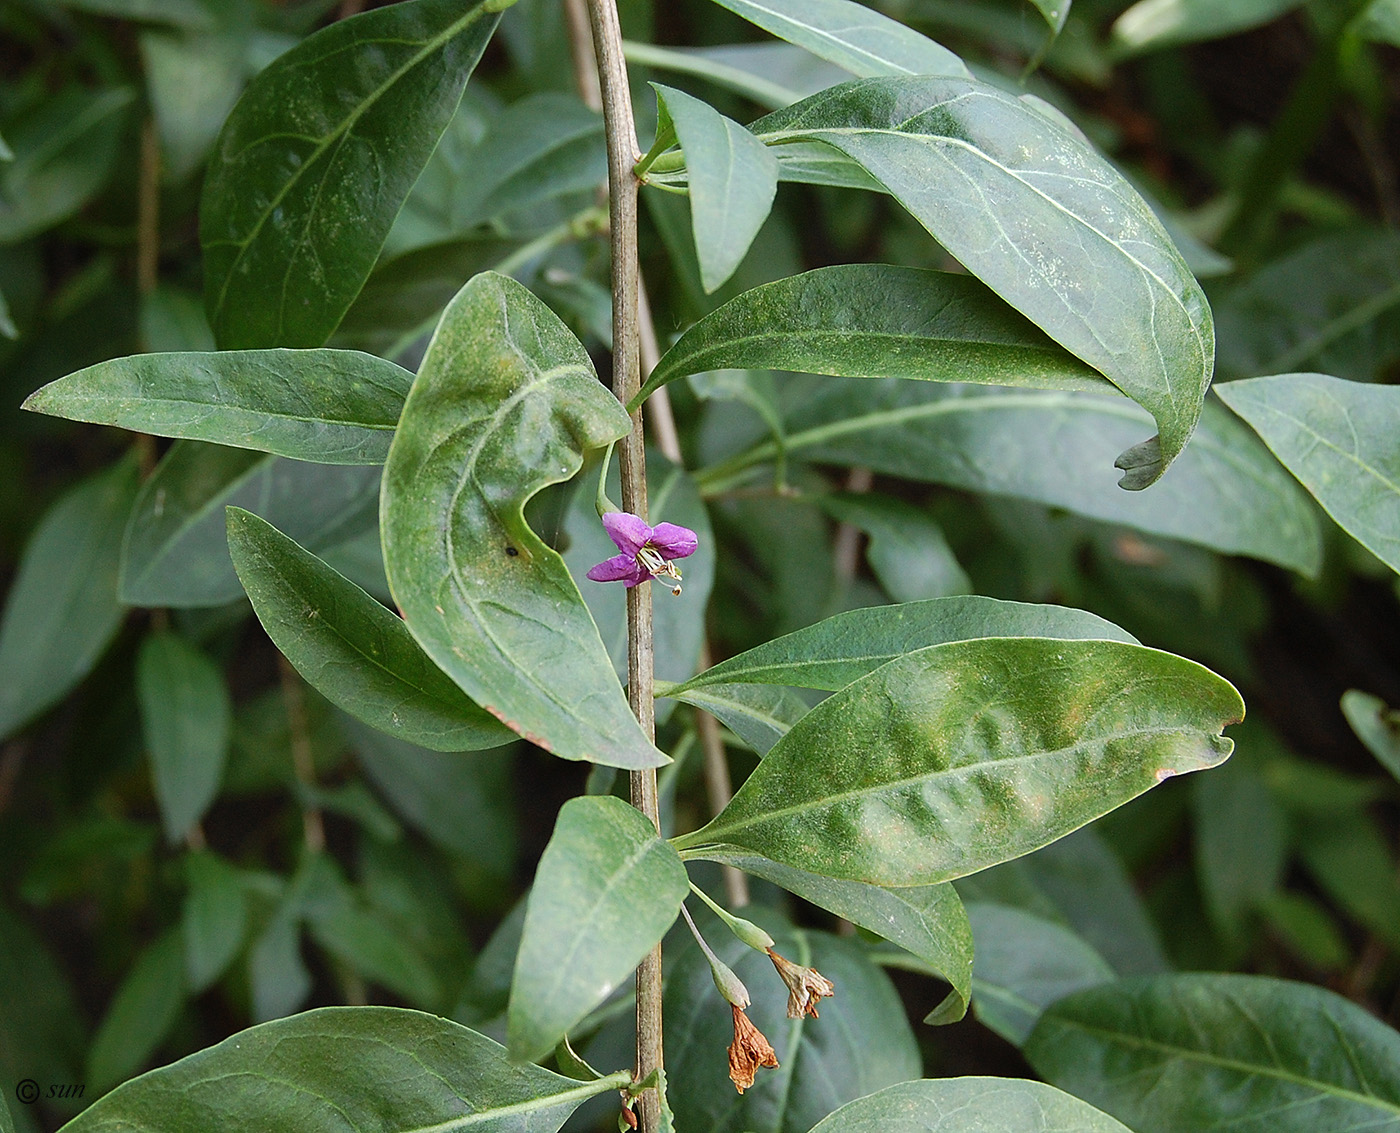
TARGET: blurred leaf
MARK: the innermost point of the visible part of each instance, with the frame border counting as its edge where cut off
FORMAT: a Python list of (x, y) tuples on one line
[(326, 406), (358, 654), (62, 609), (871, 785), (186, 713), (760, 715), (176, 548), (907, 550), (861, 1043), (1047, 214), (1308, 930), (1241, 842), (277, 974), (381, 1067), (955, 1105), (172, 320), (504, 405), (141, 1014), (1258, 1055), (193, 79), (606, 890), (1349, 857), (316, 159), (1381, 21), (731, 176), (215, 918), (1377, 726), (7, 323), (177, 13), (88, 856), (1339, 439), (1056, 12), (1023, 964), (1152, 24)]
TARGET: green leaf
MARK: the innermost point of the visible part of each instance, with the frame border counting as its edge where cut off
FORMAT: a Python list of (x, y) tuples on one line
[(1350, 857), (605, 892), (316, 159), (927, 921), (193, 79), (1381, 21), (958, 756), (1044, 221), (733, 179), (186, 714), (505, 403), (852, 36), (1376, 725), (352, 650), (177, 13), (176, 548), (62, 609), (7, 322), (278, 979), (215, 918), (347, 1067), (841, 649), (1247, 1053), (862, 1041), (326, 406), (142, 1013), (1241, 842), (907, 550), (1056, 12), (1152, 24), (760, 715), (7, 1124), (876, 321), (1023, 964), (172, 319), (771, 74), (1340, 440), (1227, 492), (958, 1105)]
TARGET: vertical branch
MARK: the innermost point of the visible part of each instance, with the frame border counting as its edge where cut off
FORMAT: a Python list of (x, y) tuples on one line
[(622, 208)]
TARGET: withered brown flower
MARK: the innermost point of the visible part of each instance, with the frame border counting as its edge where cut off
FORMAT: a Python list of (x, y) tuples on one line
[(805, 986), (748, 1051)]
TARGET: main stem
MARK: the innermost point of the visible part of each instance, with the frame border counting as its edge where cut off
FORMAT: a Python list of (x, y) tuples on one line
[(622, 210)]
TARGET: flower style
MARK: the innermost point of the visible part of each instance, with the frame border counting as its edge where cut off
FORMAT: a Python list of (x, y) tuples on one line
[(748, 1051), (805, 986), (646, 551)]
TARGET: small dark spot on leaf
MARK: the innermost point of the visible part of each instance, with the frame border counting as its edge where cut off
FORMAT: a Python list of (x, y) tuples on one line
[(512, 552)]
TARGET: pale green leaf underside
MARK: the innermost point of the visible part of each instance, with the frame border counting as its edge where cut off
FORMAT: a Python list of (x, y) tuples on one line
[(957, 1105)]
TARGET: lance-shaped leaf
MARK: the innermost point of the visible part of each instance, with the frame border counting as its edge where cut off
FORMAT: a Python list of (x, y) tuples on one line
[(927, 921), (1376, 725), (1056, 12), (315, 161), (352, 650), (876, 321), (1152, 24), (504, 405), (955, 1105), (1340, 439), (959, 756), (605, 892), (1244, 1053), (854, 37), (382, 1068), (1044, 221), (326, 406), (841, 649), (732, 175)]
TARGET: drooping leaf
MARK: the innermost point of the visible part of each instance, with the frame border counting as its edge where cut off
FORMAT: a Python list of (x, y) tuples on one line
[(1241, 842), (861, 1042), (854, 37), (176, 548), (876, 321), (927, 921), (907, 550), (193, 78), (1339, 439), (215, 918), (1247, 1053), (62, 608), (1051, 227), (186, 714), (366, 1067), (1152, 24), (140, 1015), (844, 648), (1023, 964), (356, 653), (732, 177), (1376, 725), (956, 1105), (325, 406), (760, 715), (605, 892), (504, 405), (958, 756), (316, 159)]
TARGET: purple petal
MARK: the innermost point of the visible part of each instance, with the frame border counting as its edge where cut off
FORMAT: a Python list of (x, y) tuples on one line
[(619, 568), (672, 541), (628, 531)]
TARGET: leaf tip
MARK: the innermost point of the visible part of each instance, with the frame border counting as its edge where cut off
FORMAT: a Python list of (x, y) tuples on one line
[(1142, 465)]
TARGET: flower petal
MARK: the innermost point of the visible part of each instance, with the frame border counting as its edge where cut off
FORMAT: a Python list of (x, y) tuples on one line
[(619, 568), (672, 541), (628, 531)]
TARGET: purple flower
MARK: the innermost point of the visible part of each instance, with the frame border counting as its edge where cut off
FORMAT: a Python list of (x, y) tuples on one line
[(646, 551)]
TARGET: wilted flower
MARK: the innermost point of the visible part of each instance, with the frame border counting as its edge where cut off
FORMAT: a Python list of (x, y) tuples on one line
[(748, 1051), (805, 986), (646, 551)]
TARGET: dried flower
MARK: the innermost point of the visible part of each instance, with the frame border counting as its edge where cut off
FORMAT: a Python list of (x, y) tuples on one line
[(748, 1051), (805, 986), (646, 551)]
